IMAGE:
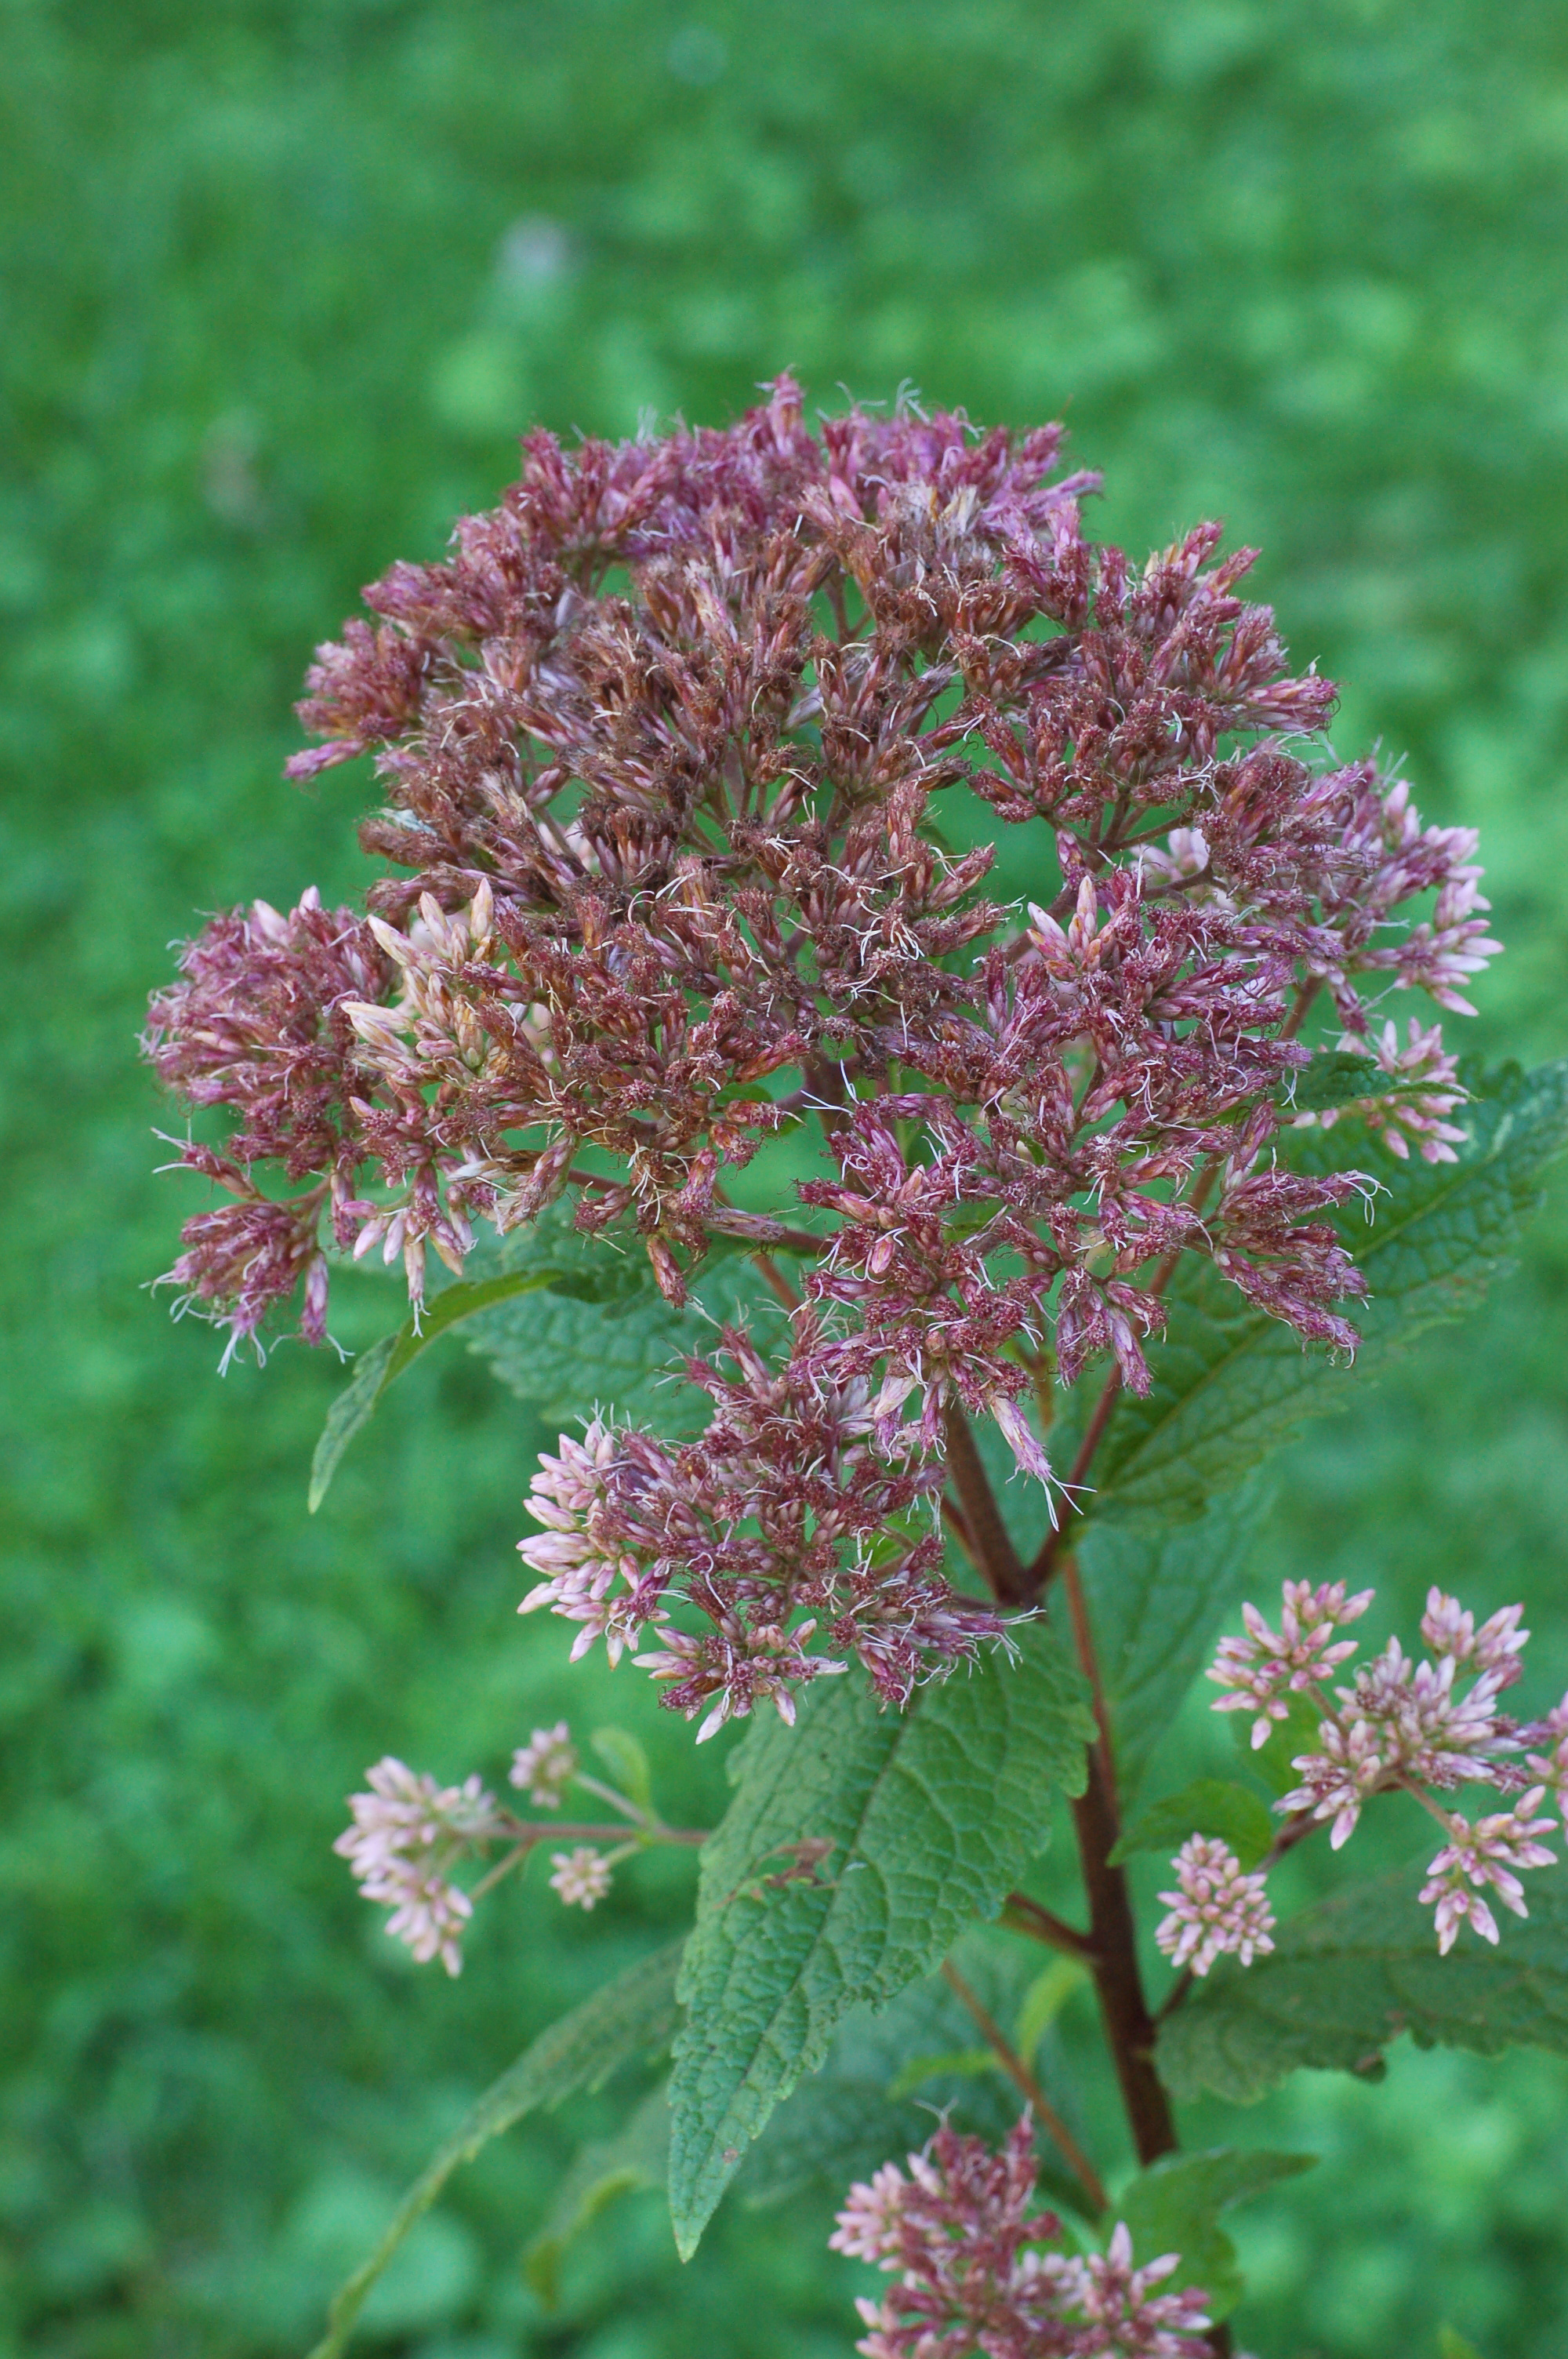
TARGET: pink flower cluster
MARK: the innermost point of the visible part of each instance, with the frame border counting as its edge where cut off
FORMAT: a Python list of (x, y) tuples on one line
[(799, 1528), (408, 1834), (671, 747), (958, 2235), (1216, 1910), (1420, 1727)]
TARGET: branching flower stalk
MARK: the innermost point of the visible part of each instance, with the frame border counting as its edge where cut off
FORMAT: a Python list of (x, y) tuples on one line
[(408, 1834), (698, 760)]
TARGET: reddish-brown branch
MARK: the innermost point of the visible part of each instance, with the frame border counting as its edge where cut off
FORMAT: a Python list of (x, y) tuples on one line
[(1018, 2072), (1001, 1565), (1022, 1915), (1113, 1961), (1044, 1564)]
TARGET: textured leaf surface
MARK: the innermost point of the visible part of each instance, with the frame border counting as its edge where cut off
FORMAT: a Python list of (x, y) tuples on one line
[(1158, 1596), (1209, 1806), (634, 2013), (872, 2099), (1349, 1976), (1230, 1385), (931, 1815), (1175, 2205), (566, 1353), (605, 2169)]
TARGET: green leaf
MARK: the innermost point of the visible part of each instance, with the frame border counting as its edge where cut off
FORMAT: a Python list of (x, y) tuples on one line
[(1209, 1806), (1230, 1385), (960, 2064), (627, 1764), (1174, 2207), (1046, 1997), (1348, 1976), (1158, 1596), (932, 1816), (1337, 1079), (605, 2169), (845, 2120), (565, 1352), (1274, 1761), (385, 1362), (630, 2016)]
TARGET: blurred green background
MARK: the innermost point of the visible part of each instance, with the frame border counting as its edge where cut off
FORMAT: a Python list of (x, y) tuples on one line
[(281, 285)]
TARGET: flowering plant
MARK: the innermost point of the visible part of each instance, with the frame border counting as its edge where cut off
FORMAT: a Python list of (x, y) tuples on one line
[(921, 978)]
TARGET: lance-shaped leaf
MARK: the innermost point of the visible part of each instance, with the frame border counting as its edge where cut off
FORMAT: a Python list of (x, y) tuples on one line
[(604, 2170), (381, 1365), (628, 2018), (1348, 1976), (1174, 2207), (1230, 1385), (928, 1818)]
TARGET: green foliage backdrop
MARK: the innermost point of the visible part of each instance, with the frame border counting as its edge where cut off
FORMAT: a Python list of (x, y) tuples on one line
[(281, 283)]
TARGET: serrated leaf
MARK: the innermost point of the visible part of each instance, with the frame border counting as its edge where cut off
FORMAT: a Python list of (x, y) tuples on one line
[(1336, 1079), (932, 1814), (1209, 1806), (1348, 1976), (1230, 1385), (1158, 1596), (602, 2172), (566, 1353), (1174, 2206), (634, 2013), (843, 2120)]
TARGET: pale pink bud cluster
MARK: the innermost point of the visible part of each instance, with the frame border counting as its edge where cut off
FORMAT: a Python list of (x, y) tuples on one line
[(545, 1766), (1267, 1668), (408, 1833), (975, 2270), (1216, 1911), (1483, 1858), (581, 1877), (1424, 1727)]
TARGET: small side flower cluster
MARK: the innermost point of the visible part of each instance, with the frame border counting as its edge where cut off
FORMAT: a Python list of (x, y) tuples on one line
[(973, 2270), (409, 1834), (795, 1539), (1216, 1911), (1422, 1727)]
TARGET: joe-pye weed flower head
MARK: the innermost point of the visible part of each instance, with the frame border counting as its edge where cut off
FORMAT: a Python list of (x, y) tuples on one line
[(674, 748)]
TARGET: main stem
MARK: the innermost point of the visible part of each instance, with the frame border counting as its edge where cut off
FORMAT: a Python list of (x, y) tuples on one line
[(1111, 1948)]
